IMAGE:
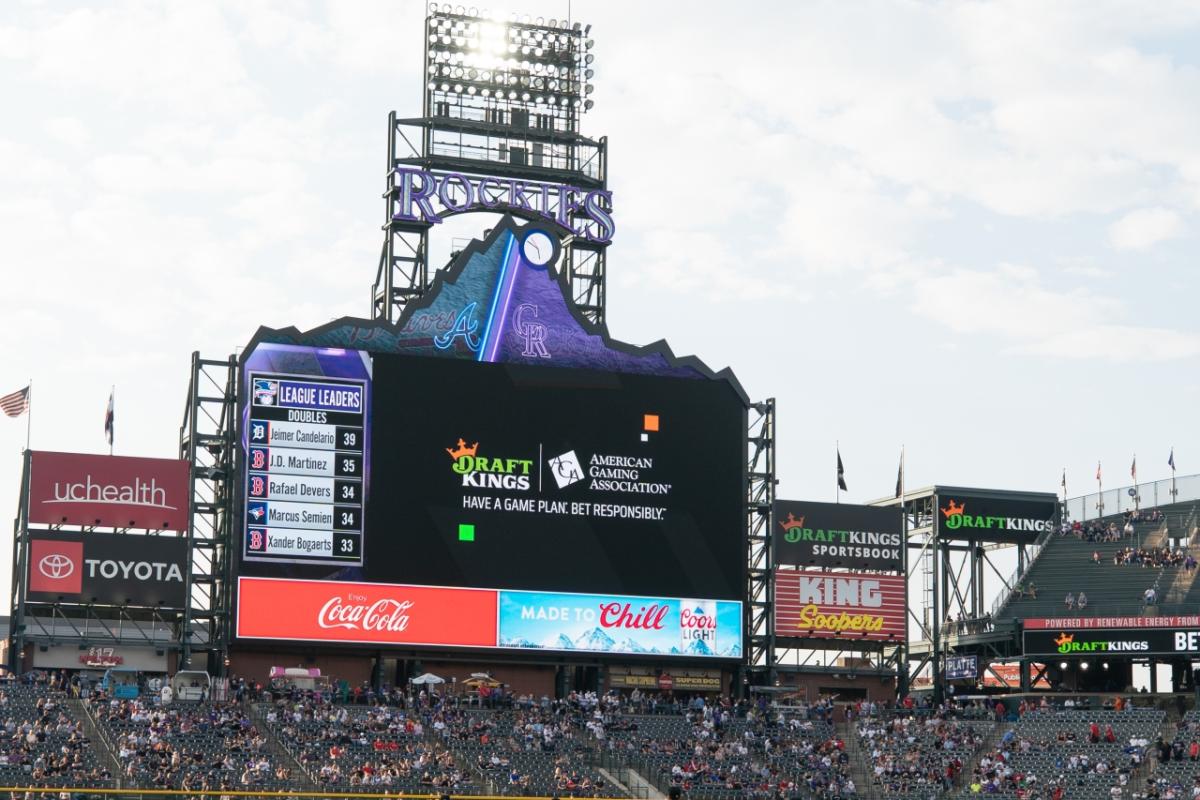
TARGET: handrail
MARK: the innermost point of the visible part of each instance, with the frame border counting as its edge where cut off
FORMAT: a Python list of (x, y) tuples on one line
[(1111, 502)]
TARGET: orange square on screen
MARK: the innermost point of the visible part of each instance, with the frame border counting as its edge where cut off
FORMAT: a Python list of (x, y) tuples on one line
[(651, 423)]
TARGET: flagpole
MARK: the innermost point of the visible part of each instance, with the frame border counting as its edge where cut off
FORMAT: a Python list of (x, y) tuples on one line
[(1099, 489), (904, 663), (837, 477), (29, 414), (112, 399), (1137, 499)]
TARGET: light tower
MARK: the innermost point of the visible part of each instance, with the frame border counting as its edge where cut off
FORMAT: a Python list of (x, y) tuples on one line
[(503, 101)]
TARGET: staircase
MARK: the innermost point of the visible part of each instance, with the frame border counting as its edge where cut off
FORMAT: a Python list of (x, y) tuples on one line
[(861, 773), (101, 746), (279, 752), (990, 743)]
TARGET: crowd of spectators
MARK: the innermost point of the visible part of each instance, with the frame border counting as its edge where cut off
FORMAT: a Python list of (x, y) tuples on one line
[(209, 746), (44, 744), (1152, 557), (1095, 531), (919, 753)]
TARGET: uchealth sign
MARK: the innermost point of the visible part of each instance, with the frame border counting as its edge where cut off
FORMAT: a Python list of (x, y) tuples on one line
[(843, 605), (1112, 642), (108, 491), (394, 614), (107, 568), (838, 535)]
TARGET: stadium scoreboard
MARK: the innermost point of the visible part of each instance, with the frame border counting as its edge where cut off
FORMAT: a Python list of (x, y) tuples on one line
[(305, 469)]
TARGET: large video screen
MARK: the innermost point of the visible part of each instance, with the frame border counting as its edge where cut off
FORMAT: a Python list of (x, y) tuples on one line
[(593, 510)]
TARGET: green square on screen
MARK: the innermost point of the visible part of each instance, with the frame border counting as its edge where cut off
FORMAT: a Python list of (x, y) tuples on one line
[(466, 533)]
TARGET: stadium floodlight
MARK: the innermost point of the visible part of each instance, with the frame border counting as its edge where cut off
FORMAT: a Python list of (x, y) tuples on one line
[(1063, 665), (518, 54)]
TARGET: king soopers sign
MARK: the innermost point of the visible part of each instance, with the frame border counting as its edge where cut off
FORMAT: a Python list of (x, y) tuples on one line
[(429, 195)]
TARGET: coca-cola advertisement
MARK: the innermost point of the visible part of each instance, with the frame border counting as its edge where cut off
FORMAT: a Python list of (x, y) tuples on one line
[(365, 613), (620, 624)]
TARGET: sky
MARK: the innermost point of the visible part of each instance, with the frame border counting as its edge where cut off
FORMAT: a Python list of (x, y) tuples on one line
[(968, 229)]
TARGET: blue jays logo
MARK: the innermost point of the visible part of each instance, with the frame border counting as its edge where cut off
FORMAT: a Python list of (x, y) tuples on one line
[(258, 457), (531, 332), (260, 431), (466, 326), (265, 392), (257, 511)]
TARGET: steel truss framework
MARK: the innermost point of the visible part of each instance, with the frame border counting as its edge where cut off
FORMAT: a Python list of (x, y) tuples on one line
[(207, 442), (200, 628), (492, 134), (954, 579), (760, 498)]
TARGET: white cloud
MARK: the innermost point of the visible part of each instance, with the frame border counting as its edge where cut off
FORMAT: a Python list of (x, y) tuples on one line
[(1144, 228), (1014, 304)]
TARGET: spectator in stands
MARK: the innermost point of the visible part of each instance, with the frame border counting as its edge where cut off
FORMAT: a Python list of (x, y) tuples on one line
[(1150, 596), (1082, 601), (1094, 733), (1070, 601), (1095, 556)]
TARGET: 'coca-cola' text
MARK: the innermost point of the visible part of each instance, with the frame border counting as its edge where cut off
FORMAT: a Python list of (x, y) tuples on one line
[(385, 614)]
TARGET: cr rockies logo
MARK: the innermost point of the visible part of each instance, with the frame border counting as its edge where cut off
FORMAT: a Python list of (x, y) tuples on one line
[(531, 332)]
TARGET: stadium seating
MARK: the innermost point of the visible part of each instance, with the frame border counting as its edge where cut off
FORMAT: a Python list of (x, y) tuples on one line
[(1181, 771), (187, 746), (43, 742), (1052, 747), (1065, 566), (921, 753)]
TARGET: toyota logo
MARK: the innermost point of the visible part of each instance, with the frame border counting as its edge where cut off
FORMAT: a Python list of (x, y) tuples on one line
[(56, 566)]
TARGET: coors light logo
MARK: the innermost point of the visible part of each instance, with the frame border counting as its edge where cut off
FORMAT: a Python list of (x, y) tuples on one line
[(356, 613), (698, 625)]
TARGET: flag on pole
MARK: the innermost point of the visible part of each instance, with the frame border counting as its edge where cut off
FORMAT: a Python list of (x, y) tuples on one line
[(15, 404), (900, 475), (1064, 480), (1133, 469), (1097, 470), (108, 419), (1171, 460), (841, 472)]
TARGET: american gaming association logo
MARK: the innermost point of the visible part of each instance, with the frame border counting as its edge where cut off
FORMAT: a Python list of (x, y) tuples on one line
[(56, 566), (566, 469)]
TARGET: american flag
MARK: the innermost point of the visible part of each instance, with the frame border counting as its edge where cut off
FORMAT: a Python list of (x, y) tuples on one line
[(15, 404)]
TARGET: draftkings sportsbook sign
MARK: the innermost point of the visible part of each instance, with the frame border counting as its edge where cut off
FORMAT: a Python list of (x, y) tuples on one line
[(837, 535)]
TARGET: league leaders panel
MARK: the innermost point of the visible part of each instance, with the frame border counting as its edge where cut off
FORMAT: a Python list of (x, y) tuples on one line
[(305, 470)]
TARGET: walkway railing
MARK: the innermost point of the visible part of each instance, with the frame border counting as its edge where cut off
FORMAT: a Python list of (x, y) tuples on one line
[(1119, 500)]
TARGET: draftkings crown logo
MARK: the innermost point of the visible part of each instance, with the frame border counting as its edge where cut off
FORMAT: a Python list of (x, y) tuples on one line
[(953, 510), (791, 522), (462, 450), (482, 472)]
